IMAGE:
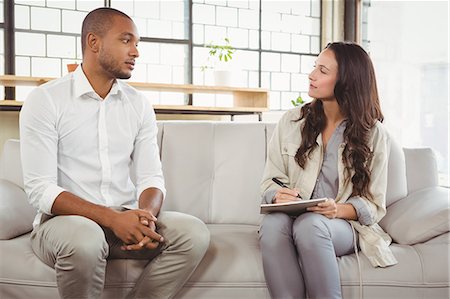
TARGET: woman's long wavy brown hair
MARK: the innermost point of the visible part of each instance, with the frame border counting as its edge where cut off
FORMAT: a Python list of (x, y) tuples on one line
[(357, 96)]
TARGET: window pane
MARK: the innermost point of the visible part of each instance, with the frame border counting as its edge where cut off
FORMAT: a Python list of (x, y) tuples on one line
[(30, 44), (47, 19), (61, 46), (287, 76), (88, 5), (1, 11), (215, 20), (162, 63), (291, 26), (72, 20), (31, 2), (68, 4), (160, 19), (22, 16), (2, 63), (412, 68)]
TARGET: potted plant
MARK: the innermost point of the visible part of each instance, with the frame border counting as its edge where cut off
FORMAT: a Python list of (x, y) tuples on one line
[(298, 101), (218, 59)]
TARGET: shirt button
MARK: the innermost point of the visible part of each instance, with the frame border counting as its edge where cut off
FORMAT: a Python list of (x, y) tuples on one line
[(285, 149)]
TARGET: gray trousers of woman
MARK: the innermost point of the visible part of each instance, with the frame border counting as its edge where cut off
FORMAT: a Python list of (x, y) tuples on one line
[(299, 254)]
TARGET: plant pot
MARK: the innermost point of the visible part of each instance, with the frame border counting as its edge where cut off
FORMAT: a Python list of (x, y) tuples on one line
[(222, 78), (72, 67)]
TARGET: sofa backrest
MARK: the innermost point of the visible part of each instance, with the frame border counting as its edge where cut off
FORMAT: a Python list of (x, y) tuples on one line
[(213, 169), (421, 168)]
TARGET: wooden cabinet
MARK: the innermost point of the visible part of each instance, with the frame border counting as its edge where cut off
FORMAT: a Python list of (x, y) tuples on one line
[(245, 100)]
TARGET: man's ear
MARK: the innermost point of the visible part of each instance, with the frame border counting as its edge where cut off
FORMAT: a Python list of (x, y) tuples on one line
[(92, 42)]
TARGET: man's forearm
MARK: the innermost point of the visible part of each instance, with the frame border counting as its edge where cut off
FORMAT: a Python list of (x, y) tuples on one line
[(151, 200), (69, 204)]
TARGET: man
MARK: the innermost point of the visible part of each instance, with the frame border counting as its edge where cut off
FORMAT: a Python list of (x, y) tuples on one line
[(91, 167)]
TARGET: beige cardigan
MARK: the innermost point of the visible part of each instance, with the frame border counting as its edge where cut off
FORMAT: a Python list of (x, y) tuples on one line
[(281, 164)]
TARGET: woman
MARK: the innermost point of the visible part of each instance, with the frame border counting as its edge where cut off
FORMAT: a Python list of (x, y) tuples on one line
[(333, 147)]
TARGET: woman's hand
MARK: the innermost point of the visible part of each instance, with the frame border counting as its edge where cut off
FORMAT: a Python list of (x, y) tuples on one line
[(285, 195), (328, 208)]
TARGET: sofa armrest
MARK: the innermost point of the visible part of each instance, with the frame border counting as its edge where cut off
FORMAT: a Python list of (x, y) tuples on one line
[(16, 214), (418, 217)]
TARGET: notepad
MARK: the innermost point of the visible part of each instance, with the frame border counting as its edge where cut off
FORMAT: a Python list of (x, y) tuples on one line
[(293, 208)]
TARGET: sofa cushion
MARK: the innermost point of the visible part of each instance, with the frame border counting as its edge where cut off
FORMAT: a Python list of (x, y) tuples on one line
[(233, 257), (16, 214), (187, 161), (416, 275), (238, 167), (211, 169), (231, 268), (418, 217)]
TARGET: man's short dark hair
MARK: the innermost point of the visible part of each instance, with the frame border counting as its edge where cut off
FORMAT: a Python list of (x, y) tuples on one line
[(99, 21)]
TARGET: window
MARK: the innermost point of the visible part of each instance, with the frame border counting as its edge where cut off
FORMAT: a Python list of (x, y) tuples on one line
[(276, 42), (2, 48), (164, 53), (47, 37), (408, 43)]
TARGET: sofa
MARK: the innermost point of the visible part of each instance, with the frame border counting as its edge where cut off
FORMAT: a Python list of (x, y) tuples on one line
[(213, 171)]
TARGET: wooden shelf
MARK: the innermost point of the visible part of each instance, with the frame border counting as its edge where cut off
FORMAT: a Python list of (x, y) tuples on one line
[(245, 100), (9, 105)]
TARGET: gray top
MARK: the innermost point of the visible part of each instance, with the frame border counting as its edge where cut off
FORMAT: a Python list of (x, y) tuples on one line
[(327, 182)]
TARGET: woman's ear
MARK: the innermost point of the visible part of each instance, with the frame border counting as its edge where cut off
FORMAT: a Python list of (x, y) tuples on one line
[(92, 42)]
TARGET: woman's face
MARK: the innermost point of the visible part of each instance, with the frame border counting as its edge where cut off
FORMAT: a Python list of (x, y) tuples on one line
[(323, 77)]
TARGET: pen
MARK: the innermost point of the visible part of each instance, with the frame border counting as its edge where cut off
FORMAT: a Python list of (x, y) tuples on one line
[(280, 183)]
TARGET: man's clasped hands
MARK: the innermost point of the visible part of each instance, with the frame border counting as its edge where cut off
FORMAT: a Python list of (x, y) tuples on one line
[(137, 229)]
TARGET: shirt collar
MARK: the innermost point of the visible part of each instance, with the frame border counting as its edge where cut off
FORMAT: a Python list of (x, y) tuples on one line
[(82, 85)]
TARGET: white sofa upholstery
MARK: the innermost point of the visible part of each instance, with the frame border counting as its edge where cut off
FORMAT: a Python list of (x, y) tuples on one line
[(213, 171)]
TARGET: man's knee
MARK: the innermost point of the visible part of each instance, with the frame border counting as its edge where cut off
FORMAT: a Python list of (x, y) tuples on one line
[(85, 245), (185, 232)]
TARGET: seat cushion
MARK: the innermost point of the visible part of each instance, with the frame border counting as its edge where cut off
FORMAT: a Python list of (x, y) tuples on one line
[(232, 268), (232, 265), (418, 274)]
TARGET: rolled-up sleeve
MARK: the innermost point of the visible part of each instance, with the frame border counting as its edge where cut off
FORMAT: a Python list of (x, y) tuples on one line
[(147, 169), (38, 150), (365, 217), (268, 196)]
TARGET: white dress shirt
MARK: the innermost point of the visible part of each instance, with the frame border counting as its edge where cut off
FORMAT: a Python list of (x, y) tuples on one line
[(102, 150)]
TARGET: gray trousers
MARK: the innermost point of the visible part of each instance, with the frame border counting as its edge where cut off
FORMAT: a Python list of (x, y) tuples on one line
[(299, 254), (78, 249)]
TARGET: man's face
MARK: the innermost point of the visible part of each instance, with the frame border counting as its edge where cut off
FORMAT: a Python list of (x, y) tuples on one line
[(118, 49)]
